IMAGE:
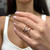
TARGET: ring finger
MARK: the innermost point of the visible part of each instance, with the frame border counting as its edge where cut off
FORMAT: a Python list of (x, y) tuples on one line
[(32, 33)]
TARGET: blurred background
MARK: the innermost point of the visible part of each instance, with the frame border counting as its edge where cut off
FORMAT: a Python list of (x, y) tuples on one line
[(3, 6), (48, 4)]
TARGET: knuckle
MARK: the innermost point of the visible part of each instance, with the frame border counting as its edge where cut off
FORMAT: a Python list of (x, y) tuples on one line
[(41, 30), (35, 45), (45, 23), (24, 19), (39, 38), (27, 12)]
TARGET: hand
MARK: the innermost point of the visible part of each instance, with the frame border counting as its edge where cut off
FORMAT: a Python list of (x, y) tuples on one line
[(39, 34)]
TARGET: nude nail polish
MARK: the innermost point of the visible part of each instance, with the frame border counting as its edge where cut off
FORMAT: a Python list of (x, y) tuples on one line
[(14, 17), (14, 28), (14, 23), (16, 12)]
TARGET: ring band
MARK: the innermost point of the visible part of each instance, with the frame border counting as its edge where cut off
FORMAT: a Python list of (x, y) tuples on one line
[(26, 29)]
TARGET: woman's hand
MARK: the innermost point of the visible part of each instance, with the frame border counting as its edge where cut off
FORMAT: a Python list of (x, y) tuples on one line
[(39, 35)]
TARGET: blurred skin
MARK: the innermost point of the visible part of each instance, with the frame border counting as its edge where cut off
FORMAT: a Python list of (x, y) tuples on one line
[(23, 1), (22, 5), (26, 6)]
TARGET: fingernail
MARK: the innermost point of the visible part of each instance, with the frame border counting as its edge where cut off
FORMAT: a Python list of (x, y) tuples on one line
[(14, 28), (14, 17), (14, 23), (17, 12)]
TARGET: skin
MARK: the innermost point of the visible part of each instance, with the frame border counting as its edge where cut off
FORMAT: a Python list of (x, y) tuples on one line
[(21, 6), (39, 35)]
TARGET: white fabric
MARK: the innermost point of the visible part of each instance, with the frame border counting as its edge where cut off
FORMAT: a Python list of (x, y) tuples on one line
[(44, 17), (7, 44)]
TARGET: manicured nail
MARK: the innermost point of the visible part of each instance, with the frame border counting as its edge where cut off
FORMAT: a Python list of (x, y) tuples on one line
[(14, 28), (17, 12), (14, 23), (14, 17)]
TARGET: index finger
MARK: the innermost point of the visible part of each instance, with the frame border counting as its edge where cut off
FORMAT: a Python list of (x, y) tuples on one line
[(30, 16)]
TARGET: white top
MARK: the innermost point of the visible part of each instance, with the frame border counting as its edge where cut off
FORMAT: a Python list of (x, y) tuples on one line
[(7, 44)]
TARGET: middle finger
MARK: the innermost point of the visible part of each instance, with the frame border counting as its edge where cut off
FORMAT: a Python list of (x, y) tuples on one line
[(27, 22)]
